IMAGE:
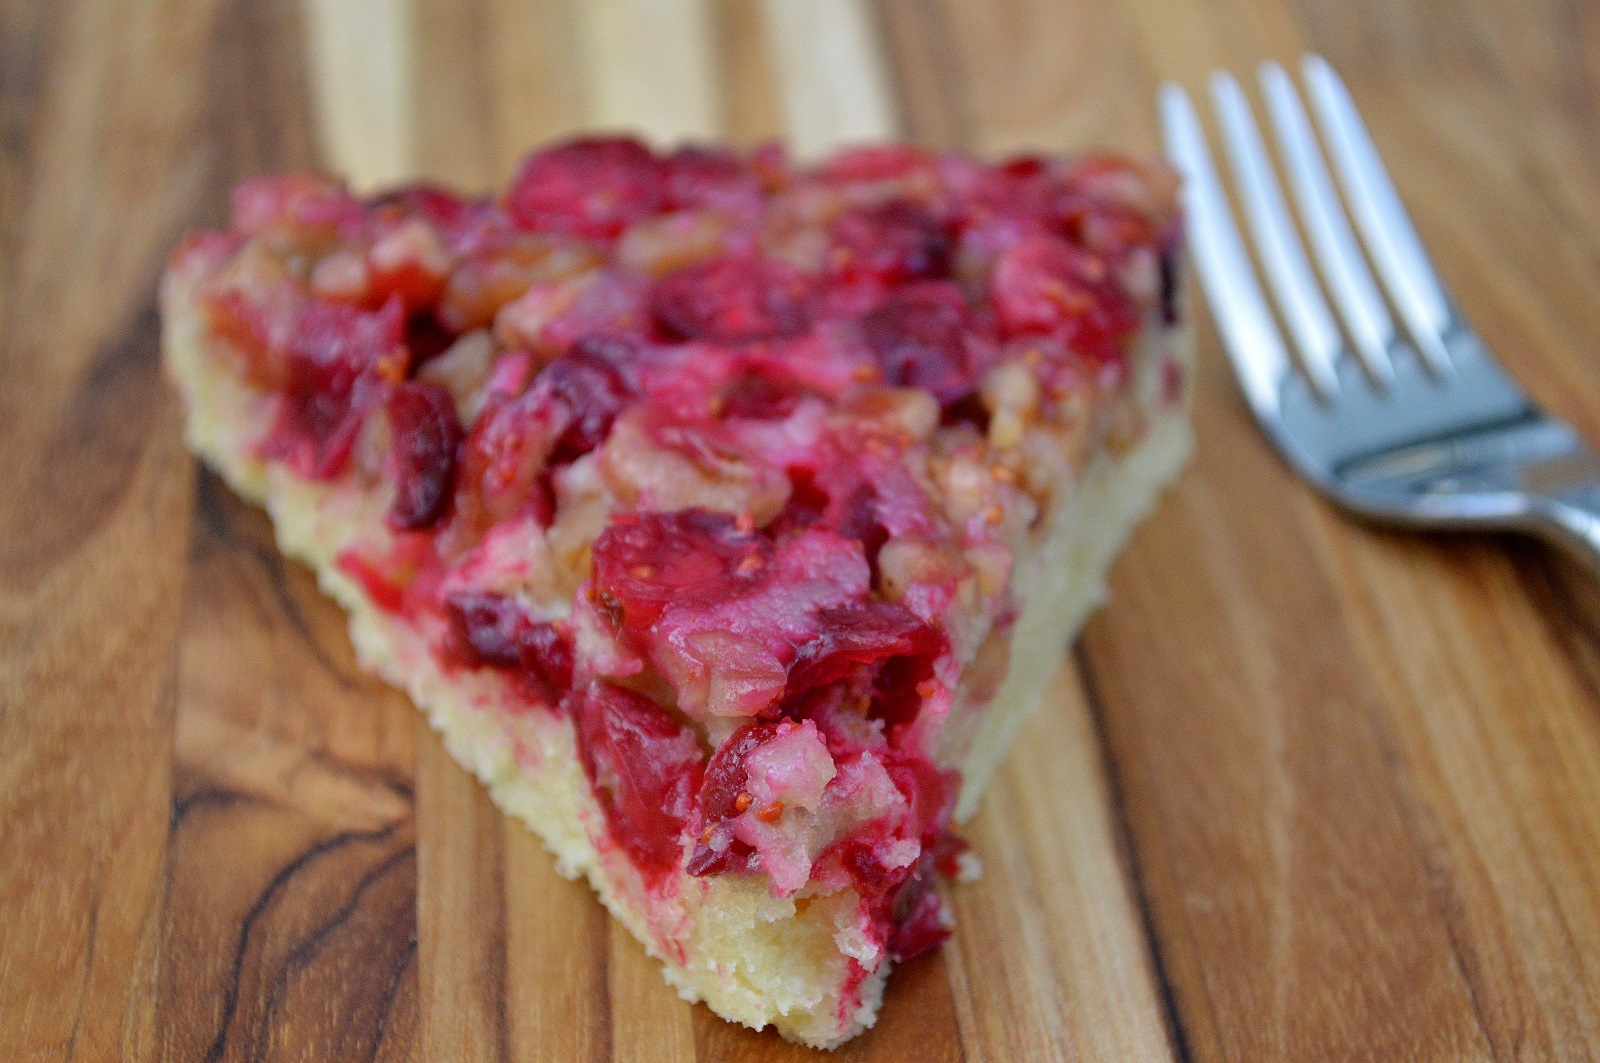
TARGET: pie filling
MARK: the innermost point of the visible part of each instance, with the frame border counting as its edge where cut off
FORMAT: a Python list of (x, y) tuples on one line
[(724, 460)]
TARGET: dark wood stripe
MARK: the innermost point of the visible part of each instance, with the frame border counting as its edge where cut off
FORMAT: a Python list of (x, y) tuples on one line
[(1127, 857)]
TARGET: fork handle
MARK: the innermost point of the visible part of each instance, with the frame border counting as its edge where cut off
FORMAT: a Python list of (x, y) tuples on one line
[(1569, 517)]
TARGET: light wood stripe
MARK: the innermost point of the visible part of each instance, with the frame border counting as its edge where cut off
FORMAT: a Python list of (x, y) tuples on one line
[(651, 67), (362, 56), (832, 74)]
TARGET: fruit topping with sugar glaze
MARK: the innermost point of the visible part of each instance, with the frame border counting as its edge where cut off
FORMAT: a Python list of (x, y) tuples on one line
[(722, 460)]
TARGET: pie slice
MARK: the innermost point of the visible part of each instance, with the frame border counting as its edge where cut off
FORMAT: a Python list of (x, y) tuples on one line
[(727, 517)]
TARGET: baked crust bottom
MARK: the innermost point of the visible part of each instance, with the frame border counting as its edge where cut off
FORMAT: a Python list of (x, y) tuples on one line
[(799, 963)]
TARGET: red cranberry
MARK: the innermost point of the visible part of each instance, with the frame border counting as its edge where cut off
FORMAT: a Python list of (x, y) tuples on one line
[(891, 242), (757, 397), (444, 209), (808, 501), (422, 418), (920, 929), (854, 634), (770, 163), (895, 700), (592, 187), (1045, 286), (1024, 167), (374, 581), (589, 387), (860, 494), (878, 162), (645, 767), (339, 363), (418, 279), (493, 629), (426, 338), (717, 801), (947, 854), (1106, 228), (711, 178), (930, 791), (920, 339), (735, 299), (500, 462), (644, 562), (859, 853)]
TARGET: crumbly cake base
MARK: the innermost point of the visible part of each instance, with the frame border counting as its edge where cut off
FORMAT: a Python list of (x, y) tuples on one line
[(751, 957)]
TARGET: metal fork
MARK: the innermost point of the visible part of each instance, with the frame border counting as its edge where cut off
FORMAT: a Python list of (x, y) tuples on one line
[(1414, 425)]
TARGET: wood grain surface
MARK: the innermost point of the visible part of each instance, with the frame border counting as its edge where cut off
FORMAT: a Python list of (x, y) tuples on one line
[(1304, 790)]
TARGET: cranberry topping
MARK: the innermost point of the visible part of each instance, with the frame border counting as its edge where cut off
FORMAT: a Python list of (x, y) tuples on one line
[(590, 187), (303, 206), (257, 328), (500, 463), (550, 317), (760, 398), (744, 334), (1025, 167), (947, 853), (921, 928), (876, 162), (1045, 286), (891, 242), (495, 630), (416, 275), (645, 561), (930, 791), (588, 384), (900, 895), (734, 299), (858, 633), (860, 490), (920, 339), (1108, 229), (737, 626), (426, 338), (340, 362), (494, 275), (895, 696), (717, 851), (714, 178), (443, 208), (426, 432), (383, 592), (645, 766)]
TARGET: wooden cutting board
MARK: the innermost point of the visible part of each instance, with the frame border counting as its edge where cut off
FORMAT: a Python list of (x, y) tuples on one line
[(1304, 790)]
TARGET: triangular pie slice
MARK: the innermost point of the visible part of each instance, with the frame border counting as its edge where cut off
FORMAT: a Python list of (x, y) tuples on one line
[(726, 516)]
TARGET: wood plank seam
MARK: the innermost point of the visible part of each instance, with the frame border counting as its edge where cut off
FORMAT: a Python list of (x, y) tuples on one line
[(1132, 872)]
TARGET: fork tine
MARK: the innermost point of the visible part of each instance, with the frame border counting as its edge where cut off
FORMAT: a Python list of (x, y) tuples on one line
[(1283, 258), (1387, 231), (1349, 280), (1249, 333)]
